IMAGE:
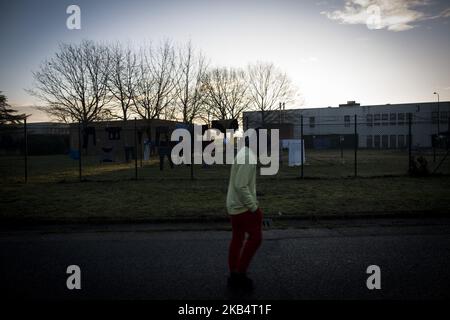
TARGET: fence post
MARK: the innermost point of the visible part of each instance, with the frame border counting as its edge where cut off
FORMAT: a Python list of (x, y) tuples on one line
[(192, 127), (135, 151), (301, 146), (434, 141), (79, 150), (141, 149), (409, 142), (356, 146), (25, 149), (448, 130)]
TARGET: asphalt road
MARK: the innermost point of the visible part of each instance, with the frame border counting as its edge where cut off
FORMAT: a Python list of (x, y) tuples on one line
[(309, 261)]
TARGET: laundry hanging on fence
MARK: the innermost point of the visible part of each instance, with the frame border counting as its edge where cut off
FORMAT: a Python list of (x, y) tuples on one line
[(74, 154), (294, 146), (147, 147)]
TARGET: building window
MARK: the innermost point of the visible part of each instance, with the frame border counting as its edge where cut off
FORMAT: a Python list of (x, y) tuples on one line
[(113, 133), (347, 121), (393, 119), (369, 120), (385, 141), (401, 119), (385, 119), (312, 122), (401, 141), (376, 142), (369, 142), (444, 117), (376, 119), (434, 117), (393, 142)]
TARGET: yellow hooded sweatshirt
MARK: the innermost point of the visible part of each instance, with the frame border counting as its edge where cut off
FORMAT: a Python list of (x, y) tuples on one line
[(241, 195)]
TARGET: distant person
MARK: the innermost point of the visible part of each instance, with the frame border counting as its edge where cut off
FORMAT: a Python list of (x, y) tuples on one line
[(246, 218), (165, 150)]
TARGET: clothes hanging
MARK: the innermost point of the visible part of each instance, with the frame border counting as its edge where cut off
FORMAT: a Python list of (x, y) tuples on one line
[(147, 149), (294, 146)]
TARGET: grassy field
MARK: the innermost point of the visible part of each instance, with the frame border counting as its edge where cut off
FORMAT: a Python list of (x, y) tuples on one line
[(319, 164), (54, 193)]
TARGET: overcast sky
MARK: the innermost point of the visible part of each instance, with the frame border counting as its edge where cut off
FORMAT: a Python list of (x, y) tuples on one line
[(371, 51)]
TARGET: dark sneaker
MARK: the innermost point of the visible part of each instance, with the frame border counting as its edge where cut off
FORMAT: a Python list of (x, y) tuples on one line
[(246, 283), (233, 280), (240, 281)]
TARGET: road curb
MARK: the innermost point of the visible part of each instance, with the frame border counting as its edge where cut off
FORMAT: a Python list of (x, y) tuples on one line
[(225, 219)]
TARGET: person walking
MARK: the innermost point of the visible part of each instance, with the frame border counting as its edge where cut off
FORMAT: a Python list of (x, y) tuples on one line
[(246, 218)]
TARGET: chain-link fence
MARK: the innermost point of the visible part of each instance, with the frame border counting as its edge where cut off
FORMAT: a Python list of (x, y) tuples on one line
[(104, 151), (13, 166), (375, 146), (364, 147)]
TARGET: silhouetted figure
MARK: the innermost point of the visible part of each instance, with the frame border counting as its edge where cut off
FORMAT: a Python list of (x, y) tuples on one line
[(164, 146), (419, 167), (246, 218), (165, 150)]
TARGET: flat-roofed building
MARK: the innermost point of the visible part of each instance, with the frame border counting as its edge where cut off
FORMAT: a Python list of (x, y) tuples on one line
[(378, 126)]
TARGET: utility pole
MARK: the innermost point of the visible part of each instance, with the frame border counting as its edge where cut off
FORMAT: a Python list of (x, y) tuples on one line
[(438, 114), (79, 151), (25, 148), (410, 142), (135, 151), (281, 106), (301, 147), (356, 146)]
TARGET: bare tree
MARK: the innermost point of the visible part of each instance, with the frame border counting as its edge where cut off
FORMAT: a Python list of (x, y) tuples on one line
[(189, 93), (226, 93), (122, 78), (156, 81), (74, 83), (7, 114), (268, 86)]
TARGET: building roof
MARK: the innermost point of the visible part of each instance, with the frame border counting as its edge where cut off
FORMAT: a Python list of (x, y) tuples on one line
[(350, 105)]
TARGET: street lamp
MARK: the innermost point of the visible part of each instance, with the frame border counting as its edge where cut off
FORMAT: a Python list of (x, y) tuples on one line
[(438, 115)]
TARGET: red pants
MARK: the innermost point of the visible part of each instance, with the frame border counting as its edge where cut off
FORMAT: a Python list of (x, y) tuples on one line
[(240, 255)]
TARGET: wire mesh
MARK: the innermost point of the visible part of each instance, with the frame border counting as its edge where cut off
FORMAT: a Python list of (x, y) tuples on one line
[(384, 144)]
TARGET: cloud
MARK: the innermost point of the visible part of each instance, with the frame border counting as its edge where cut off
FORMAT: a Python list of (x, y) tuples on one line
[(443, 14), (393, 15)]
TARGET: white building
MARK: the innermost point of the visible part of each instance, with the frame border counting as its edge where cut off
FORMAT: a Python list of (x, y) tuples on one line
[(378, 126)]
